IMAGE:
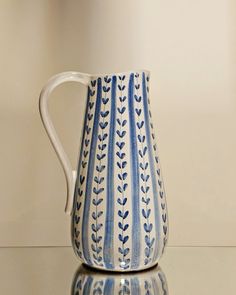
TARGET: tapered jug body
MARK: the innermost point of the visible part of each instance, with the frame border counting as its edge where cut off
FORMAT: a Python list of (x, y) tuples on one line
[(119, 217)]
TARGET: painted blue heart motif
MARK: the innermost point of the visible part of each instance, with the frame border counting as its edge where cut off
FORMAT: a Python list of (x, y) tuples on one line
[(105, 100), (138, 98), (120, 145), (91, 104), (93, 83)]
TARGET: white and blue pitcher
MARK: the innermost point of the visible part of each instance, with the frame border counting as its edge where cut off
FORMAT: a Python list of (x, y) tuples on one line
[(116, 197)]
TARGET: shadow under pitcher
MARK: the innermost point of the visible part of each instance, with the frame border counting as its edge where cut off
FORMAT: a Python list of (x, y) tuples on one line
[(116, 197)]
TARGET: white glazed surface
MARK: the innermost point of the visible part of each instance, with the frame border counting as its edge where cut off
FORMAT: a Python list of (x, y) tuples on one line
[(119, 222), (43, 108)]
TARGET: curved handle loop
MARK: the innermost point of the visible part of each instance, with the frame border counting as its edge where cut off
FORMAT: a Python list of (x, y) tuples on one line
[(43, 109)]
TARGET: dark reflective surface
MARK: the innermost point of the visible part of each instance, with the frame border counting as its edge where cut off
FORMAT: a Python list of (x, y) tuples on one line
[(91, 282)]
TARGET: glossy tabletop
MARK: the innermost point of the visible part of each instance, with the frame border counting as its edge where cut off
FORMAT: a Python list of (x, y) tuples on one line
[(182, 270)]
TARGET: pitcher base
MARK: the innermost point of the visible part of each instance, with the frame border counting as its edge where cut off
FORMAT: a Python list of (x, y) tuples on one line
[(118, 270)]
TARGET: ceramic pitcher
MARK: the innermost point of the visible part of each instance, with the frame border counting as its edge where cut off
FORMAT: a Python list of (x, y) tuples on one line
[(116, 197)]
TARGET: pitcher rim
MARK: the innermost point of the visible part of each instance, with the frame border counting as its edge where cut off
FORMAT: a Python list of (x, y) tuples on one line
[(97, 75)]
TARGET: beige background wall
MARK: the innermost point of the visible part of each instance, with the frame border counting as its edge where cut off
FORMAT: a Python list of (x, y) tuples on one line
[(190, 48)]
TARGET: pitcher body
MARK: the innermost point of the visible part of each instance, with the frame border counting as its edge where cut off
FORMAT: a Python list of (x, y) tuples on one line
[(119, 214)]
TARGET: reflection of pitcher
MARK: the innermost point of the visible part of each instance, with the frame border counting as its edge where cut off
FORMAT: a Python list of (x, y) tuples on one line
[(116, 198), (143, 283)]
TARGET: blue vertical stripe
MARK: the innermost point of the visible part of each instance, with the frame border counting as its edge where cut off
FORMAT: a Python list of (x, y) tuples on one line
[(85, 226), (81, 151), (87, 286), (152, 168), (108, 251), (134, 179), (109, 286), (135, 288)]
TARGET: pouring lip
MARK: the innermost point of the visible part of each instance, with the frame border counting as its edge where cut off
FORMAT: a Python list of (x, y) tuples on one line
[(129, 72)]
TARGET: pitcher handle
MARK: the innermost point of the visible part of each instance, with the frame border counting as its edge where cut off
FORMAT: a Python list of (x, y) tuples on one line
[(52, 83)]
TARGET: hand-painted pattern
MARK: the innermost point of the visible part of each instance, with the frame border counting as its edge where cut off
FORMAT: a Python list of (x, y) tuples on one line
[(148, 287), (92, 283), (158, 171), (78, 286), (99, 179), (124, 287), (120, 215), (98, 287), (122, 175), (84, 161), (144, 176)]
